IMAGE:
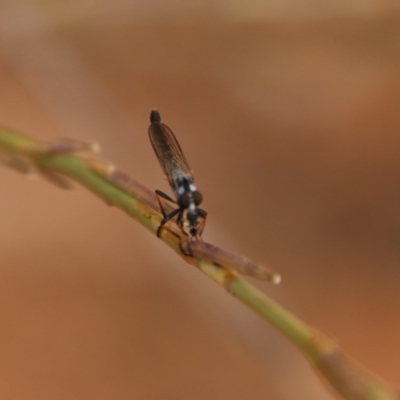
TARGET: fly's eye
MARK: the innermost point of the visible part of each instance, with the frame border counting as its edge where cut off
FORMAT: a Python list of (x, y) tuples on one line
[(183, 200), (197, 197)]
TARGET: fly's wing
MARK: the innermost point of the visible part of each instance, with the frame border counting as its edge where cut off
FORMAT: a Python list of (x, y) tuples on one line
[(168, 152)]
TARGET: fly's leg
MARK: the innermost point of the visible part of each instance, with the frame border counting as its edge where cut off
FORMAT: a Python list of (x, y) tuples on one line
[(184, 239), (203, 215), (159, 194), (166, 217), (179, 219)]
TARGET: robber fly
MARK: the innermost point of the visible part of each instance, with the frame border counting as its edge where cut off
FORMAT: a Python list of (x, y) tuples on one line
[(190, 218)]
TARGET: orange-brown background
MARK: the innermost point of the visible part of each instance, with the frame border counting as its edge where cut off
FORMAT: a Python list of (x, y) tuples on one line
[(289, 113)]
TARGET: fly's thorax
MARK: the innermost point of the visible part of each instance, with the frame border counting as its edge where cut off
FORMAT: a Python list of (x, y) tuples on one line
[(182, 184)]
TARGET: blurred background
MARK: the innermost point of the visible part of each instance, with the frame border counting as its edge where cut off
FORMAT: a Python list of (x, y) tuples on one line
[(288, 113)]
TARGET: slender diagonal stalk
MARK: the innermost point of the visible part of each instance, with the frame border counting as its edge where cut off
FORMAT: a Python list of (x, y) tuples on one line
[(116, 188)]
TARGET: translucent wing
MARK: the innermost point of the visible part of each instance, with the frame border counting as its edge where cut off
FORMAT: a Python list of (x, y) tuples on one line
[(167, 149)]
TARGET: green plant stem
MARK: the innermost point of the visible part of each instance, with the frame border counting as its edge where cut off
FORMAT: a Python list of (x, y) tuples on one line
[(343, 374)]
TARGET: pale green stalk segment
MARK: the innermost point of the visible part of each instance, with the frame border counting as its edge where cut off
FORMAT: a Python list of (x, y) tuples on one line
[(287, 323), (16, 143)]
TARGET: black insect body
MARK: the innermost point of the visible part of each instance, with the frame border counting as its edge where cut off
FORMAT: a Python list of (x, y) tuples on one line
[(190, 218)]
